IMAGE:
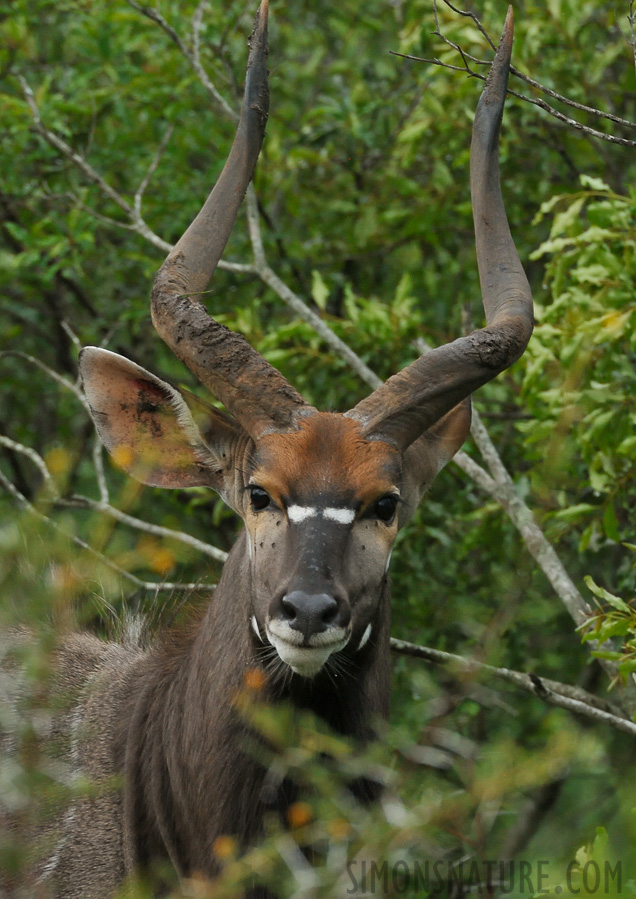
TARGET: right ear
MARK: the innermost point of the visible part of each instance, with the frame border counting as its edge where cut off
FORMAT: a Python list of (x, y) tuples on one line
[(149, 430), (425, 458)]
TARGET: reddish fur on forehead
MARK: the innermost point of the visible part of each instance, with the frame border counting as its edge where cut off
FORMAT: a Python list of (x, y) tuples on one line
[(328, 455)]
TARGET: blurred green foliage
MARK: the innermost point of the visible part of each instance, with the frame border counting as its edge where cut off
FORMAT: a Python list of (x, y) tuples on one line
[(363, 190)]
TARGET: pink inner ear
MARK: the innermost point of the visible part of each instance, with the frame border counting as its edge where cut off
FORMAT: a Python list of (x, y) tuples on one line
[(143, 422)]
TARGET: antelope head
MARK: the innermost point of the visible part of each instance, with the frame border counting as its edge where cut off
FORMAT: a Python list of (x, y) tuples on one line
[(321, 494)]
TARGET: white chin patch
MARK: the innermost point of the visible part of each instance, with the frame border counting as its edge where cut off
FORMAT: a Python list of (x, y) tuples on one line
[(304, 660)]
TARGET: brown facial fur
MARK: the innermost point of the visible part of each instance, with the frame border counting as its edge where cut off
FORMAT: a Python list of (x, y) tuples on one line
[(327, 457)]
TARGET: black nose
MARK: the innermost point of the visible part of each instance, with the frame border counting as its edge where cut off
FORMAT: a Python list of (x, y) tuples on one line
[(313, 613)]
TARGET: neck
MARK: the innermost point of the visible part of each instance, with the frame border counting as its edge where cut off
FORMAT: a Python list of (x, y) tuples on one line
[(187, 777)]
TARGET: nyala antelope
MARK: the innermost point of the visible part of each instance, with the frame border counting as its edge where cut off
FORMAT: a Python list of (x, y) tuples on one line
[(322, 496)]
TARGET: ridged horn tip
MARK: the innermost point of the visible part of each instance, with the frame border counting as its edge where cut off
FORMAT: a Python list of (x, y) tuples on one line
[(260, 27), (493, 96)]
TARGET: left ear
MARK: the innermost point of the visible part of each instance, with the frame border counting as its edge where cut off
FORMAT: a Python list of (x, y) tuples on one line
[(425, 458), (149, 430)]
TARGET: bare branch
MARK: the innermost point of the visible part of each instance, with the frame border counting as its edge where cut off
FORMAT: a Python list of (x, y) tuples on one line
[(100, 476), (631, 18), (151, 237), (192, 57), (151, 586), (474, 471), (521, 516), (136, 222), (469, 15), (288, 296), (103, 505), (505, 492), (152, 168), (536, 101), (59, 379), (195, 62), (501, 487), (72, 336), (36, 459), (84, 502), (552, 692), (592, 110), (542, 88)]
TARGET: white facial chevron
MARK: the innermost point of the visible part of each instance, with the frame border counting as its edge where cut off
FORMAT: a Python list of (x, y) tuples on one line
[(298, 514)]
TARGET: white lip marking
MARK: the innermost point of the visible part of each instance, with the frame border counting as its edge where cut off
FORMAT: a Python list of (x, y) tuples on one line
[(255, 628), (304, 660), (365, 637), (297, 514), (342, 516)]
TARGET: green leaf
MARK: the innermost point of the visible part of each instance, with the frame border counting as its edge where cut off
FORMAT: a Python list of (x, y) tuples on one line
[(563, 221), (615, 601), (319, 290), (594, 183)]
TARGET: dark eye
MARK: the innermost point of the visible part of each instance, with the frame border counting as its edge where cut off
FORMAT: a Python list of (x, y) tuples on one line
[(259, 498), (385, 508)]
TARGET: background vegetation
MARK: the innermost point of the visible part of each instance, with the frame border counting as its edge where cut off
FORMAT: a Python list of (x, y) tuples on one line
[(363, 209)]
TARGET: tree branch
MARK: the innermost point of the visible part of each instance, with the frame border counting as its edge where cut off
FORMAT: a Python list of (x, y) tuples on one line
[(521, 516), (59, 379), (631, 18), (542, 88), (84, 502), (36, 459), (551, 692), (193, 56), (152, 168), (136, 222), (149, 586)]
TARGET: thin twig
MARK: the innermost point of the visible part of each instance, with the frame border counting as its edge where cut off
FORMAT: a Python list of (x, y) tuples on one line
[(136, 222), (100, 475), (192, 57), (59, 379), (549, 92), (36, 459), (469, 15), (151, 586), (84, 502), (70, 333), (292, 299), (522, 518), (152, 168), (151, 237), (535, 101), (631, 18), (538, 546), (195, 62), (552, 692)]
